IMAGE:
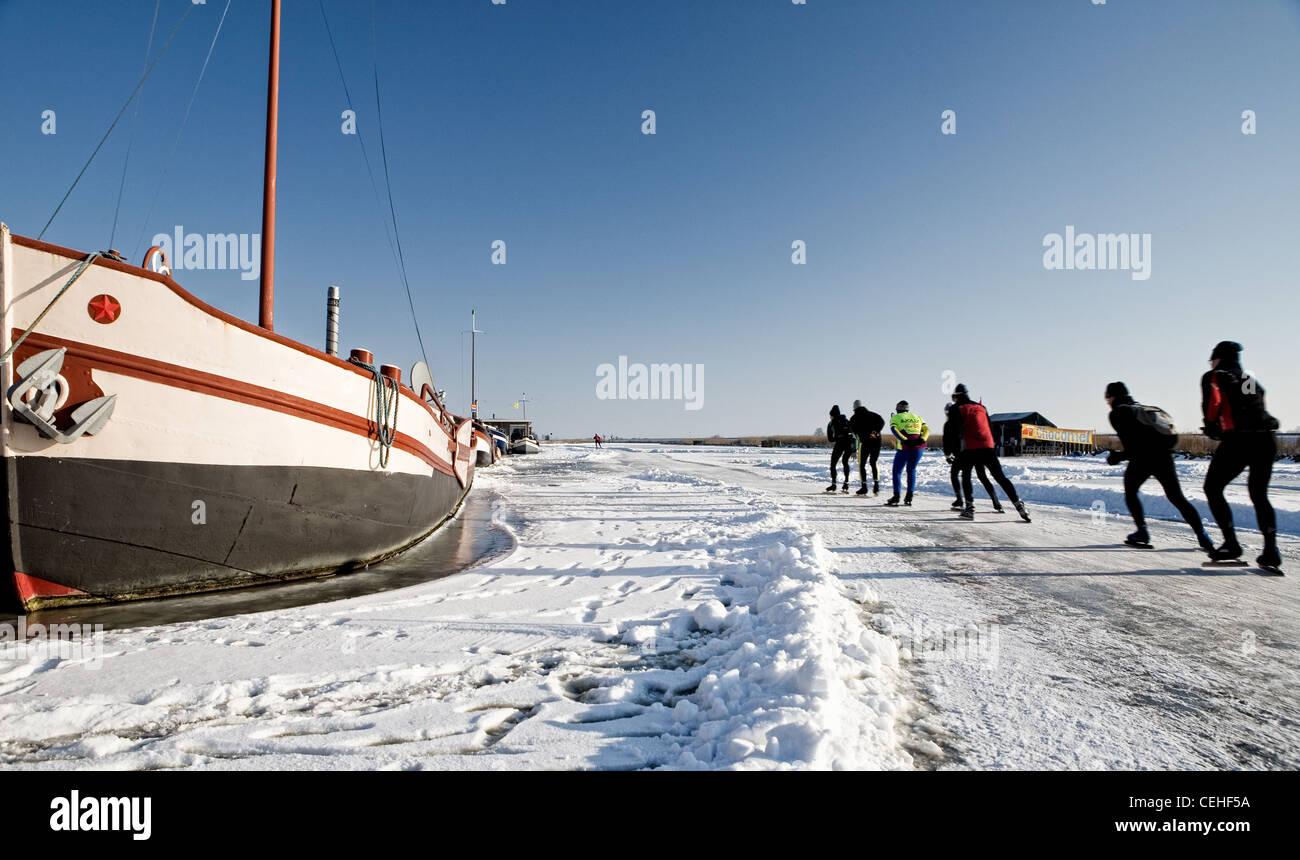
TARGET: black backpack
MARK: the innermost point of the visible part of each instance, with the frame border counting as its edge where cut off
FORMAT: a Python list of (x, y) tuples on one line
[(1246, 400), (840, 426), (1158, 424)]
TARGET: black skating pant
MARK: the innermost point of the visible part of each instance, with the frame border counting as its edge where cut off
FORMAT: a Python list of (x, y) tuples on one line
[(1161, 467), (842, 451), (983, 476), (1236, 453), (988, 459), (869, 450)]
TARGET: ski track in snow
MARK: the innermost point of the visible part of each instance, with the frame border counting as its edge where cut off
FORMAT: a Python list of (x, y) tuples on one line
[(674, 607)]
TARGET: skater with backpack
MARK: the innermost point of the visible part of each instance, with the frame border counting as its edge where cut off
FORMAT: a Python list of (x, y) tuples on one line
[(842, 445), (977, 449), (1232, 402), (952, 450), (910, 437), (1147, 434), (866, 426)]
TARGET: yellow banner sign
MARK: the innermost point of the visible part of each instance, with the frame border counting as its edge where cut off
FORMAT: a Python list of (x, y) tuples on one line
[(1039, 433)]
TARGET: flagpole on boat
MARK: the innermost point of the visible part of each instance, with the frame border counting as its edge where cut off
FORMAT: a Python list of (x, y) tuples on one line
[(473, 363), (267, 305)]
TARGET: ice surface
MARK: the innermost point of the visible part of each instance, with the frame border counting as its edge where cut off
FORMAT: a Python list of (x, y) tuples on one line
[(711, 608)]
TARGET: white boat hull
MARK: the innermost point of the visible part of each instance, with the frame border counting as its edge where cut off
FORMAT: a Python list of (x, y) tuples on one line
[(232, 456)]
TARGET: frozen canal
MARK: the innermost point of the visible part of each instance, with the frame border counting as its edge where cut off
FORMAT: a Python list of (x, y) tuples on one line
[(658, 607)]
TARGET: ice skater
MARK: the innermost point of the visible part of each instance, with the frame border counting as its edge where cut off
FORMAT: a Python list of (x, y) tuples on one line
[(910, 436), (952, 450), (1148, 447), (1233, 405), (842, 445), (977, 449), (866, 426), (597, 439)]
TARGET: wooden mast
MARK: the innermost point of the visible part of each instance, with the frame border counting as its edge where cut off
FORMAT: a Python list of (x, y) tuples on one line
[(267, 306)]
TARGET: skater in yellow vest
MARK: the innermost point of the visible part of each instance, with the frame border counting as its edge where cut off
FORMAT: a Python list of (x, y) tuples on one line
[(910, 435)]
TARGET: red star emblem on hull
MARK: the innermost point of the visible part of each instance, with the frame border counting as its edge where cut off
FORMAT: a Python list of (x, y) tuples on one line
[(104, 308)]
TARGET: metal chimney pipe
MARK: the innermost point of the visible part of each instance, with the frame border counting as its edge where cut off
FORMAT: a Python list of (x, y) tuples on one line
[(332, 322)]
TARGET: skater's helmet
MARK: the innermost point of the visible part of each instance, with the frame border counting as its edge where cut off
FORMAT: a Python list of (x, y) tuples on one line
[(901, 407), (857, 404), (1117, 389)]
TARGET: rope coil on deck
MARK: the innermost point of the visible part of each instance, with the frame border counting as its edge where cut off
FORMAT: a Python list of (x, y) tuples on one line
[(385, 432)]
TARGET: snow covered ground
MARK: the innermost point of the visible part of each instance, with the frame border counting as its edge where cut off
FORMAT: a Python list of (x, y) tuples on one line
[(677, 607)]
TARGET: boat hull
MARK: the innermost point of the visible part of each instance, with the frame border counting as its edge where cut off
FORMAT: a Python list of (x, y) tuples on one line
[(233, 456), (113, 530), (485, 453)]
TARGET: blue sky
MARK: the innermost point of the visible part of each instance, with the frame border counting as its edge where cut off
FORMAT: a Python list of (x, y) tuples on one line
[(775, 122)]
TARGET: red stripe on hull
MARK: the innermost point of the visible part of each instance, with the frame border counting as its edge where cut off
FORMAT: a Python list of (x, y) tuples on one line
[(177, 376), (191, 299)]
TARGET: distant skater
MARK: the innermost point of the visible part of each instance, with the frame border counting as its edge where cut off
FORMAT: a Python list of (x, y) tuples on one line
[(978, 449), (1235, 414), (866, 426), (597, 438), (952, 450), (842, 445), (1149, 451), (910, 435)]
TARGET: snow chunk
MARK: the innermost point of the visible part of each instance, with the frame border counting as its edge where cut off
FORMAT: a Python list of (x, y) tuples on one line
[(710, 615), (639, 635)]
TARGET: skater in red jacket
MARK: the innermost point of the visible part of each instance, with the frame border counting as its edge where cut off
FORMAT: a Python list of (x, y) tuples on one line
[(977, 449), (1235, 414)]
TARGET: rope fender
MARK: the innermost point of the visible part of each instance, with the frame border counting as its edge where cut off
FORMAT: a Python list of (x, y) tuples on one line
[(387, 394)]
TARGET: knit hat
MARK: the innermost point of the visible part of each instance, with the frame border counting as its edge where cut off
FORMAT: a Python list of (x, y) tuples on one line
[(835, 410), (901, 407), (1117, 389), (961, 390), (947, 407), (857, 404), (1227, 350)]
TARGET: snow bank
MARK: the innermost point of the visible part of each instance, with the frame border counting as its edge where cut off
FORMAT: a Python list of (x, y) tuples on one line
[(774, 667), (663, 476)]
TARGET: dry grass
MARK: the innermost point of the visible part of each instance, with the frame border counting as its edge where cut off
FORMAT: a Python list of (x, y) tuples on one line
[(1189, 445), (1196, 445), (763, 441)]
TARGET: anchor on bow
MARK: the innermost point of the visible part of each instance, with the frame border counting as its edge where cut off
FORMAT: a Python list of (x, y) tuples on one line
[(35, 396)]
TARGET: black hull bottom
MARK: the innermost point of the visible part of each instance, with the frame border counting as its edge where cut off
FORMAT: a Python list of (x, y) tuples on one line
[(125, 530)]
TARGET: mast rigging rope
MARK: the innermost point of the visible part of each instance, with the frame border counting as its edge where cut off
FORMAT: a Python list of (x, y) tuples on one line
[(379, 115), (194, 94), (365, 153), (135, 118), (116, 119), (394, 238)]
